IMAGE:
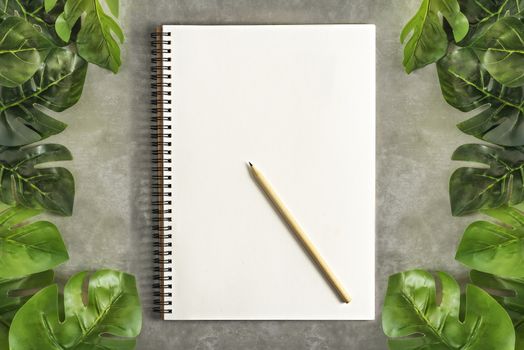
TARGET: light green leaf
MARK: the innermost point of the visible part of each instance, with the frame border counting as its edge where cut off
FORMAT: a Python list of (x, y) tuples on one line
[(413, 319), (97, 38), (501, 50), (428, 42), (110, 320), (23, 183), (57, 86), (495, 248), (30, 248), (22, 51), (13, 294), (49, 5), (509, 292), (471, 189), (467, 86)]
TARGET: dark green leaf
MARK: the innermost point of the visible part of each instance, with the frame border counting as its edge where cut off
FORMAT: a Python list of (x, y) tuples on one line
[(482, 11), (501, 50), (467, 86), (510, 293), (110, 320), (57, 86), (21, 182), (28, 249), (22, 51), (471, 189), (495, 248), (428, 42), (413, 319), (96, 39), (13, 294)]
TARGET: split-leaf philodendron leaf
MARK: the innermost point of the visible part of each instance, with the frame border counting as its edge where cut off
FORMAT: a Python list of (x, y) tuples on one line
[(481, 11), (23, 183), (413, 319), (509, 292), (14, 293), (57, 86), (110, 317), (466, 85), (495, 248), (22, 50), (428, 41), (98, 35), (30, 248), (472, 188), (501, 51)]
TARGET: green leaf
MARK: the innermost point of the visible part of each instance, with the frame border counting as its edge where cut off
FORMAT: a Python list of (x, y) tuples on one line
[(495, 248), (428, 42), (509, 292), (49, 5), (501, 51), (483, 11), (96, 40), (110, 319), (57, 86), (471, 189), (23, 183), (28, 249), (467, 86), (413, 319), (22, 51), (13, 294)]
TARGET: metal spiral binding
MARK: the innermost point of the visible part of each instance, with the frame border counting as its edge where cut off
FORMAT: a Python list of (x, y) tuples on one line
[(161, 158)]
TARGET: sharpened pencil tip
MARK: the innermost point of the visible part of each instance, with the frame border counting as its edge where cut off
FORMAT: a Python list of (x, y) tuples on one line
[(250, 164)]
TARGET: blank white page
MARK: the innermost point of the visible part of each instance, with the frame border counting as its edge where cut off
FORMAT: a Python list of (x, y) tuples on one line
[(299, 102)]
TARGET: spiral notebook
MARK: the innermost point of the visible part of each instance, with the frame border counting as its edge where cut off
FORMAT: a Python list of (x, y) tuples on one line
[(297, 100)]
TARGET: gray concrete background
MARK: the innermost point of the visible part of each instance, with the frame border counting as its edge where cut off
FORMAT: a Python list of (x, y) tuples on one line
[(108, 135)]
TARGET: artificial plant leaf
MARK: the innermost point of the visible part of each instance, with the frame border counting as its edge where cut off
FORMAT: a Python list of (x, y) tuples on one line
[(49, 5), (467, 86), (501, 51), (22, 50), (30, 248), (495, 248), (97, 38), (428, 42), (110, 319), (471, 188), (509, 292), (57, 86), (23, 183), (484, 11), (13, 294), (413, 319)]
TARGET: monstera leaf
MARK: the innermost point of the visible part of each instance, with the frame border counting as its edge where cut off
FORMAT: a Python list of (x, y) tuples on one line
[(23, 183), (413, 319), (501, 51), (108, 317), (509, 292), (13, 294), (471, 189), (495, 248), (57, 85), (22, 50), (428, 41), (27, 249), (97, 38), (467, 86)]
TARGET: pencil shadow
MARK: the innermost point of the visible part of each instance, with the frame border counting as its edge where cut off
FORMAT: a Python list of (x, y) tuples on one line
[(290, 230)]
